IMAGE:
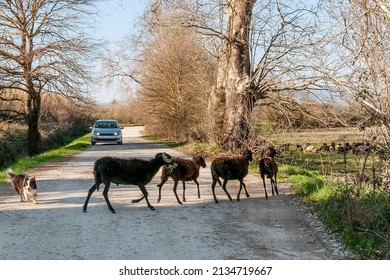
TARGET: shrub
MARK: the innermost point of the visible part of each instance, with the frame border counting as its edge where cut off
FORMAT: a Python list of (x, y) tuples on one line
[(12, 143)]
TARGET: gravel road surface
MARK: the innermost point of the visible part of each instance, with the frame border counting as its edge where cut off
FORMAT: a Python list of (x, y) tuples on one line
[(279, 228)]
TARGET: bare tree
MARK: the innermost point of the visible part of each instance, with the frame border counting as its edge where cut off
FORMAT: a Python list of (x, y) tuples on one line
[(43, 50), (265, 51), (358, 65), (175, 77), (170, 71)]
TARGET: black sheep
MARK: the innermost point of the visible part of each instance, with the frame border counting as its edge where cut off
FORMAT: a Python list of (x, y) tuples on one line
[(131, 171), (230, 168), (269, 168)]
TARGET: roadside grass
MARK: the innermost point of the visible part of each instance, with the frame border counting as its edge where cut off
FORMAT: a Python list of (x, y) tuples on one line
[(25, 163), (358, 212)]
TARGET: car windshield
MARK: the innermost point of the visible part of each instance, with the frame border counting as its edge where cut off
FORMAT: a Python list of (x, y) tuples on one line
[(106, 125)]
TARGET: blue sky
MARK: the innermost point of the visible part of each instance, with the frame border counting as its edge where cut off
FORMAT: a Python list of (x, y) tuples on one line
[(115, 21), (118, 17)]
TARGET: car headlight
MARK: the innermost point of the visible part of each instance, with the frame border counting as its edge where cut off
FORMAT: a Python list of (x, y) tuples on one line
[(97, 133)]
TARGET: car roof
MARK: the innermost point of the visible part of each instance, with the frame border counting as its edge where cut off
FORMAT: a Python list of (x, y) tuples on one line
[(106, 121)]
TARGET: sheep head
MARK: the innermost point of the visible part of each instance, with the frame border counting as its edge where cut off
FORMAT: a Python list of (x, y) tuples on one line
[(270, 152), (248, 154), (199, 160)]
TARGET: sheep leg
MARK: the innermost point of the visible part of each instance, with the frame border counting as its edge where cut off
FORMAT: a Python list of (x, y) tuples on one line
[(163, 180), (213, 189), (105, 195), (175, 191), (265, 189), (242, 184), (145, 195), (246, 192), (90, 192), (272, 186), (225, 190), (197, 184), (138, 199), (239, 191), (276, 185), (184, 191)]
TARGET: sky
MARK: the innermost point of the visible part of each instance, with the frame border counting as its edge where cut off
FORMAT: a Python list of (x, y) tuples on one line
[(115, 21)]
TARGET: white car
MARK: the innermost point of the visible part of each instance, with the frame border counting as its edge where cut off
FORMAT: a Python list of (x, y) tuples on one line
[(106, 131)]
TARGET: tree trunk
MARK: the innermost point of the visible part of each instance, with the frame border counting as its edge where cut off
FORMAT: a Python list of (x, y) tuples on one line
[(34, 143), (233, 98)]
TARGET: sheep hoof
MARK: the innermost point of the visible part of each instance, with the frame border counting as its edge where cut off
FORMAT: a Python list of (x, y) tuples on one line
[(85, 210), (113, 211), (152, 208)]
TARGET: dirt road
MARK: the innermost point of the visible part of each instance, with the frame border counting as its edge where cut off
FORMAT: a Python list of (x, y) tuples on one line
[(254, 228)]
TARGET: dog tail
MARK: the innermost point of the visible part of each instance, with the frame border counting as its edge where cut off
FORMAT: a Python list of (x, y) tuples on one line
[(10, 174)]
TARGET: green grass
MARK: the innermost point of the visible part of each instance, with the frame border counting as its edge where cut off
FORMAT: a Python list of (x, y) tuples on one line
[(303, 181), (26, 163), (362, 221), (359, 215)]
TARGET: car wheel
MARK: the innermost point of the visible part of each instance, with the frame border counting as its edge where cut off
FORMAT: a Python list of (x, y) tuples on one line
[(120, 143), (93, 143)]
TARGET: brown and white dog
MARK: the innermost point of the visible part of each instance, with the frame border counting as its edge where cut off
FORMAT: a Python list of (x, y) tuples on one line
[(24, 184)]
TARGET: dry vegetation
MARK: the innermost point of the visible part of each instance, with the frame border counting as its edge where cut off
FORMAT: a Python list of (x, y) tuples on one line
[(125, 113), (61, 121), (315, 136)]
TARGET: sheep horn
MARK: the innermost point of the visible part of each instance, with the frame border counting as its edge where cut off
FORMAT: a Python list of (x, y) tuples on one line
[(167, 158)]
